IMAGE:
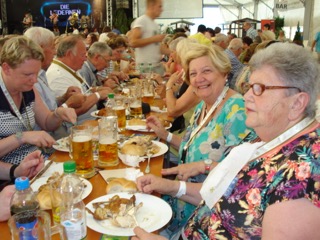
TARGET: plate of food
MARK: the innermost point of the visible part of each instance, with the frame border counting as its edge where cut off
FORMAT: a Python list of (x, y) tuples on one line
[(125, 211), (140, 145), (137, 124), (62, 144), (99, 113), (136, 149), (42, 187)]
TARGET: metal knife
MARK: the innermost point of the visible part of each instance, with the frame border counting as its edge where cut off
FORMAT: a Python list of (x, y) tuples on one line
[(41, 172)]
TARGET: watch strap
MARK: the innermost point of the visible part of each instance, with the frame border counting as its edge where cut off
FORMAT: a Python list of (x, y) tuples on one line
[(11, 173)]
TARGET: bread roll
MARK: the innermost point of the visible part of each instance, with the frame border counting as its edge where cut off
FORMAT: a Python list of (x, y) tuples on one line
[(136, 122), (121, 185), (133, 149), (44, 199)]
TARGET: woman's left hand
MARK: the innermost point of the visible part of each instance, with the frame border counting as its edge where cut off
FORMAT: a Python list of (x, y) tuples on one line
[(66, 114), (141, 234)]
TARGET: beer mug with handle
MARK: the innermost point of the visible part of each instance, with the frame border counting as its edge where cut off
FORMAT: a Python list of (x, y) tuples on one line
[(81, 150), (108, 142)]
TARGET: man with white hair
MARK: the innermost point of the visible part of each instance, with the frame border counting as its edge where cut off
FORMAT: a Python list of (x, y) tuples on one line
[(221, 40), (250, 31), (98, 58), (63, 73), (72, 97), (233, 51)]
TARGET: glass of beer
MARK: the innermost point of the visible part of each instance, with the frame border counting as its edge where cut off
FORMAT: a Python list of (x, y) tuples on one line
[(136, 108), (148, 92), (81, 150), (120, 110), (108, 146), (135, 103)]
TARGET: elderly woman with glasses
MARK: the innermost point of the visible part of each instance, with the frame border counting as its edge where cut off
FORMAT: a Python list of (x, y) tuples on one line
[(268, 189)]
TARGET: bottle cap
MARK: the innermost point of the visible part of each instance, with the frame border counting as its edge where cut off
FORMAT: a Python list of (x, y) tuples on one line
[(110, 95), (69, 167), (22, 183)]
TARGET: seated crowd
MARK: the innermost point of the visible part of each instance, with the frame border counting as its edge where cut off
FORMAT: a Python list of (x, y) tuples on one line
[(248, 105)]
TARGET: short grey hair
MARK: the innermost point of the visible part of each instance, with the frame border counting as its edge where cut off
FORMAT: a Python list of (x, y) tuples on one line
[(220, 37), (295, 67), (235, 44), (99, 48), (40, 35), (173, 44), (68, 43)]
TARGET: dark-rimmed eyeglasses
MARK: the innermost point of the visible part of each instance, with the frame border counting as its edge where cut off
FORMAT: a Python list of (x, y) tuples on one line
[(105, 59), (259, 88)]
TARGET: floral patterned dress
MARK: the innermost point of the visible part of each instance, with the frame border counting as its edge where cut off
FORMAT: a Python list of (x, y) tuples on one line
[(293, 172), (226, 130)]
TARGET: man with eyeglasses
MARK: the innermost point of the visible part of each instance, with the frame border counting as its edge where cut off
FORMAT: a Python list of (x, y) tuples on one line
[(98, 58)]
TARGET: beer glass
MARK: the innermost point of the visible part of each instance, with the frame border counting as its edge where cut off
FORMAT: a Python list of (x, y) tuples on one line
[(148, 92), (42, 230), (135, 103), (120, 110), (108, 147), (81, 150)]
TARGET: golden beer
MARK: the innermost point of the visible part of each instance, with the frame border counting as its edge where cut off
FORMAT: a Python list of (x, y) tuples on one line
[(136, 109), (148, 99), (82, 154), (108, 152), (121, 114)]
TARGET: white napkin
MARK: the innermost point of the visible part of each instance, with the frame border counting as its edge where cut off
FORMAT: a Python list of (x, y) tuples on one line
[(136, 127), (127, 173), (132, 174), (157, 109), (222, 175), (130, 160)]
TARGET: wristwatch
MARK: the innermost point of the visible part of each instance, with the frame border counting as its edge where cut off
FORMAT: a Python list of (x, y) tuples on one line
[(19, 137), (207, 167)]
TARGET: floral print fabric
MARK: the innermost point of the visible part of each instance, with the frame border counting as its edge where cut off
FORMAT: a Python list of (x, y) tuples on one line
[(293, 172), (226, 130)]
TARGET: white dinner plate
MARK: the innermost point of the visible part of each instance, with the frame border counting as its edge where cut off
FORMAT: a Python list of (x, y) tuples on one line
[(40, 181), (95, 114), (153, 215), (142, 128), (62, 145), (163, 149), (55, 167)]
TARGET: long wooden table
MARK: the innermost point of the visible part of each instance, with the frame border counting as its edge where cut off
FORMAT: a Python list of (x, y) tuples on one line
[(98, 183)]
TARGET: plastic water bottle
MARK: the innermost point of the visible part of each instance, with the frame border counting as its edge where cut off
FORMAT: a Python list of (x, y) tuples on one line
[(110, 106), (24, 200), (72, 210)]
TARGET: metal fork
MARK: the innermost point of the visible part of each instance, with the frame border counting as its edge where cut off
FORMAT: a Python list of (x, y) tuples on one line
[(149, 154)]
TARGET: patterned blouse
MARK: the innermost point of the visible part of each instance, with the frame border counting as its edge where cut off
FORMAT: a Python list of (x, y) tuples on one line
[(226, 130), (293, 172), (10, 124)]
